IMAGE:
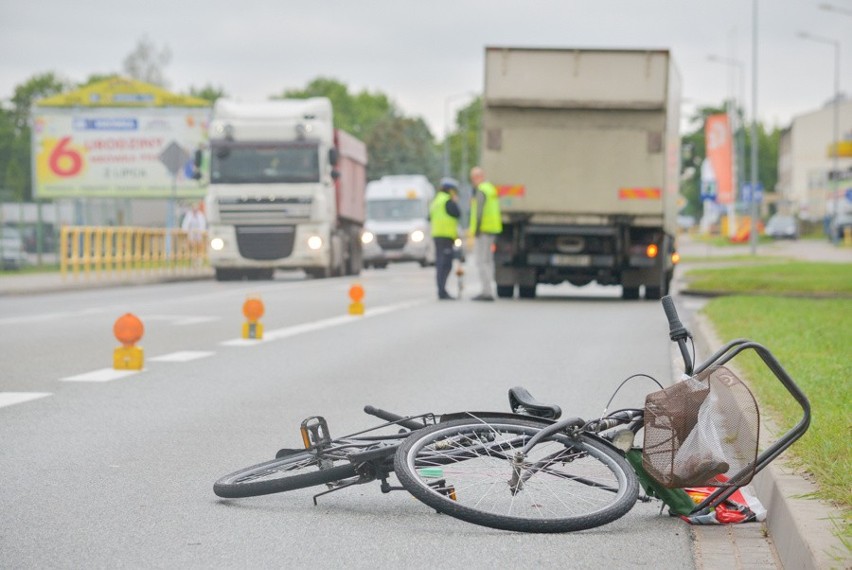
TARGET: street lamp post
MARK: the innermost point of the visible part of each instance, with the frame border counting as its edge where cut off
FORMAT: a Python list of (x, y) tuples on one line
[(836, 119), (754, 206)]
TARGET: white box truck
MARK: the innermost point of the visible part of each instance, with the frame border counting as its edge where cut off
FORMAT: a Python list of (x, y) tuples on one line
[(286, 190), (397, 226), (584, 147)]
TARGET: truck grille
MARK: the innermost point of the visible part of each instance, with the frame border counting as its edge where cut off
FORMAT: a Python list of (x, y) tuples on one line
[(392, 241), (265, 242), (235, 211)]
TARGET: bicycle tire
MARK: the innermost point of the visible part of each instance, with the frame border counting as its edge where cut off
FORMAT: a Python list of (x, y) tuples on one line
[(584, 483), (287, 473)]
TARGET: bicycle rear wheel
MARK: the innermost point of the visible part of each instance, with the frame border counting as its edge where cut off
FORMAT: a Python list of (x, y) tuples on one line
[(465, 468), (297, 471)]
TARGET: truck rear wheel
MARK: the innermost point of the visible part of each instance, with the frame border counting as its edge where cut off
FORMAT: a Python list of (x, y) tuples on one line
[(226, 274), (655, 292), (630, 293), (526, 291), (505, 291)]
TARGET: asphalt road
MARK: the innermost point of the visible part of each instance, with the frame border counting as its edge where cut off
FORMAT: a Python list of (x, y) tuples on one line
[(116, 473)]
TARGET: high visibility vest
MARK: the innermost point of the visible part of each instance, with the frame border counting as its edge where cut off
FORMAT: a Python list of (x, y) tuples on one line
[(443, 224), (491, 220)]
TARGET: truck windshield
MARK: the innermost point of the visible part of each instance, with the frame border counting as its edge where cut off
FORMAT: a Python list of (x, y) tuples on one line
[(264, 163), (384, 210)]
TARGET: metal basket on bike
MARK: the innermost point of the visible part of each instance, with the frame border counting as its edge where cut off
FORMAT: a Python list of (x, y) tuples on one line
[(702, 431)]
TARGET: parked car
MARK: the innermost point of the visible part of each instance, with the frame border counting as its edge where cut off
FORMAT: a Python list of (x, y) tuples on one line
[(12, 249), (782, 227)]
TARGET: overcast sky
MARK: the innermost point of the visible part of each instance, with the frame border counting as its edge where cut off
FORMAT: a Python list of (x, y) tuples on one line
[(427, 54)]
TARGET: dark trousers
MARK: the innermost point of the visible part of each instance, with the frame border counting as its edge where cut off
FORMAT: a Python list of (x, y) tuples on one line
[(443, 263)]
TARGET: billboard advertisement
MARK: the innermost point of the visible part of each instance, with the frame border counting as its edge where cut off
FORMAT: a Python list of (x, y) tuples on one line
[(719, 143), (121, 153)]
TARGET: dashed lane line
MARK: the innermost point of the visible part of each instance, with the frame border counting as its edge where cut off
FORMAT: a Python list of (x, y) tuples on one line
[(109, 374), (182, 356), (277, 334), (12, 398), (102, 375)]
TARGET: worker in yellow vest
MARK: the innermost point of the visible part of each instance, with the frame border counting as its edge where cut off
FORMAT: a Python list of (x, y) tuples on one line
[(485, 224), (444, 215)]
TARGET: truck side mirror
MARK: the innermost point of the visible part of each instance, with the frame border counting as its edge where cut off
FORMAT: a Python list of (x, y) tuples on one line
[(333, 157)]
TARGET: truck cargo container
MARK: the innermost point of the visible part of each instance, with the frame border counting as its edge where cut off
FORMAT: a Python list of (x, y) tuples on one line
[(584, 147)]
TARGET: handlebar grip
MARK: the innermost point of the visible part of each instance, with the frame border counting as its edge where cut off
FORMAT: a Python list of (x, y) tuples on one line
[(676, 329), (391, 417)]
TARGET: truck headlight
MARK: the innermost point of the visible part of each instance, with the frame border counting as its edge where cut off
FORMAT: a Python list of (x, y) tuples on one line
[(217, 244), (417, 236), (367, 237), (314, 242)]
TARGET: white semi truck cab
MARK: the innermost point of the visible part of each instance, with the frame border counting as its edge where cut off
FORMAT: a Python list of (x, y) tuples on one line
[(286, 190)]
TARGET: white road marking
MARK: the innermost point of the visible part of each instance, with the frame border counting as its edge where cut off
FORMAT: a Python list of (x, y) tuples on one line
[(181, 320), (277, 334), (27, 319), (11, 398), (182, 356), (102, 375)]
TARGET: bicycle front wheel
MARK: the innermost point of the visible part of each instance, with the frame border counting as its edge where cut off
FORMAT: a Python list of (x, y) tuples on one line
[(472, 470), (297, 471)]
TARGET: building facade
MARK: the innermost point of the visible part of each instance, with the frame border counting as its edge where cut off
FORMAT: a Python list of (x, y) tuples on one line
[(805, 163)]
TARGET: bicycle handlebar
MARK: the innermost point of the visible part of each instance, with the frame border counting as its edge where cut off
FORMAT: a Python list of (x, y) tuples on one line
[(395, 418), (676, 329), (677, 332)]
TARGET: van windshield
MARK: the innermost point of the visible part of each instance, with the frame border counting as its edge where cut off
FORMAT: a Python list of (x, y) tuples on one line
[(262, 163), (395, 209)]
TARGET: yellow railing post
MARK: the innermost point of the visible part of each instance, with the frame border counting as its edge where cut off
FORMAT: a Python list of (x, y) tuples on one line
[(99, 251), (63, 251)]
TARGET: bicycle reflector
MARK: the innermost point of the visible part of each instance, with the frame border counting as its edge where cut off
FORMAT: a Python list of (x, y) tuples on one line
[(623, 440)]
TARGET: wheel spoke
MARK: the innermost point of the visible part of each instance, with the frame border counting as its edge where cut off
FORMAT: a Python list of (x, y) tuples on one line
[(564, 482)]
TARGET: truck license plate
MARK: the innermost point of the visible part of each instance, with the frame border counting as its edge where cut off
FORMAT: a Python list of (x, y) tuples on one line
[(562, 259)]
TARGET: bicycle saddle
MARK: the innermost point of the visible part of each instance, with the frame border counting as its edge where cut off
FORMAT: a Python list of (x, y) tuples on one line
[(522, 402)]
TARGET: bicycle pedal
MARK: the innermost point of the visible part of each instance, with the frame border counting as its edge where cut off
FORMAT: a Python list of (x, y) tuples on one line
[(315, 432)]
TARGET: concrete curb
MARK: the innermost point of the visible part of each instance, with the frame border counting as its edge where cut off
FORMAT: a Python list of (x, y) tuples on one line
[(35, 284), (801, 527)]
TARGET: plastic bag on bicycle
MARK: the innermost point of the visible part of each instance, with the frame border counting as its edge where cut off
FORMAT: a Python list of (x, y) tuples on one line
[(701, 431), (741, 507)]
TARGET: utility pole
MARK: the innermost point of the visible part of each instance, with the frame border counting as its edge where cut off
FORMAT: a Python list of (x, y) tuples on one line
[(754, 214)]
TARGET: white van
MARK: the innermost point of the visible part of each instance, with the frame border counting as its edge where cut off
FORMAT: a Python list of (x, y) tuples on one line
[(397, 226)]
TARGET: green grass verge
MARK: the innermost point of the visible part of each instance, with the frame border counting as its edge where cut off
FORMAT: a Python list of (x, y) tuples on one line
[(788, 278), (811, 338), (29, 269), (802, 312), (746, 259)]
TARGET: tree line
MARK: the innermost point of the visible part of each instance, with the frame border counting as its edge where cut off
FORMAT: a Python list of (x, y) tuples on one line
[(396, 143)]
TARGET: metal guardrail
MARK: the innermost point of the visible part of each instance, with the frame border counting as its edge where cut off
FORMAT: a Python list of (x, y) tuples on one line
[(101, 250)]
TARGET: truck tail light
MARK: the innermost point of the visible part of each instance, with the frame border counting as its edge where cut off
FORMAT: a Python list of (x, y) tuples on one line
[(652, 250)]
